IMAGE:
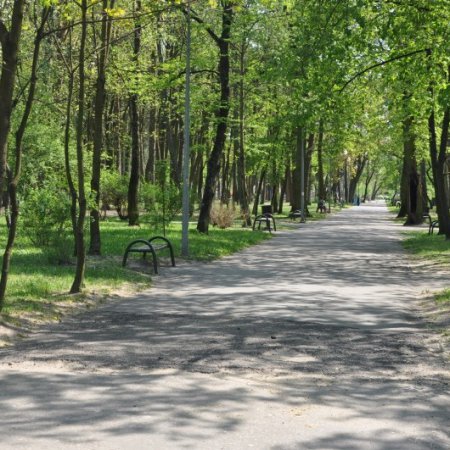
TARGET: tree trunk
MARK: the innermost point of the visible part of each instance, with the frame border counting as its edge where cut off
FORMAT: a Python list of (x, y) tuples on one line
[(258, 192), (241, 187), (369, 176), (414, 206), (99, 106), (308, 158), (297, 173), (79, 235), (9, 41), (283, 189), (438, 161), (213, 167), (133, 186), (321, 188), (360, 163)]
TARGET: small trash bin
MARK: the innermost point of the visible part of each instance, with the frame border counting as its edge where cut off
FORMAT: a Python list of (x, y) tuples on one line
[(266, 209)]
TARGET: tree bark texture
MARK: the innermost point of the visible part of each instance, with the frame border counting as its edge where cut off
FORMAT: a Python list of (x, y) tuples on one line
[(320, 179), (78, 281), (9, 40), (413, 191), (99, 106), (133, 186), (213, 165)]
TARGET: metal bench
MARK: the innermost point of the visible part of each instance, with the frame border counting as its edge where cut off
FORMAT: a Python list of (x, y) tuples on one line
[(297, 214), (267, 219), (148, 246), (432, 224)]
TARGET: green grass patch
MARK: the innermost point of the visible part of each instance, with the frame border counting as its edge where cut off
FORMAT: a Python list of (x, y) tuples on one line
[(38, 285), (432, 248), (443, 297)]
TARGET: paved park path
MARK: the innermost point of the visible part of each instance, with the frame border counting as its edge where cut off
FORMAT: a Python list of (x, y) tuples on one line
[(308, 341)]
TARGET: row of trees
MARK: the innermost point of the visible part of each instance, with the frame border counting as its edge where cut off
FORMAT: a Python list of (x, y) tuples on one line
[(92, 90)]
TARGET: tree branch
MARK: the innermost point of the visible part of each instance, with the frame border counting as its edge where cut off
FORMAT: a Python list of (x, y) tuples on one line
[(382, 63), (202, 22)]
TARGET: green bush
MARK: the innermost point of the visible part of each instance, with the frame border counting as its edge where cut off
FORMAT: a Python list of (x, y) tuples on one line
[(114, 192), (162, 203), (46, 221)]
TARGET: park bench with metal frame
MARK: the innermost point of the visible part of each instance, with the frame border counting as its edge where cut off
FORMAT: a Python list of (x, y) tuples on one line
[(267, 219), (145, 246), (297, 214), (432, 224)]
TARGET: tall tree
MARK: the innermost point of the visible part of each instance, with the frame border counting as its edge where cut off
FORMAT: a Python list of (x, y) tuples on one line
[(78, 281), (99, 106), (133, 186), (213, 165), (14, 175), (9, 40)]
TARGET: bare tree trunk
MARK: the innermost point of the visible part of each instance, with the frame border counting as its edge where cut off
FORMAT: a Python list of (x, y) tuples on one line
[(360, 163), (213, 167), (296, 173), (79, 235), (133, 186), (321, 190), (258, 192), (369, 176), (9, 40), (414, 206), (99, 106)]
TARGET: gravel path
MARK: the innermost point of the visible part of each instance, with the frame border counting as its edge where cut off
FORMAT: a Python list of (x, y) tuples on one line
[(308, 341)]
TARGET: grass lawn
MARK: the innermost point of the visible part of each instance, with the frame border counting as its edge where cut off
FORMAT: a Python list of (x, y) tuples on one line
[(38, 284), (435, 250)]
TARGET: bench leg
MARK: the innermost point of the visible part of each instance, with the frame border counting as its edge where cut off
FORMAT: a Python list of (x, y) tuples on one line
[(124, 261), (155, 261)]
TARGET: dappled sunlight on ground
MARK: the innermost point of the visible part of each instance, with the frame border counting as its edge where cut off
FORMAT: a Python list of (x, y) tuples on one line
[(308, 340)]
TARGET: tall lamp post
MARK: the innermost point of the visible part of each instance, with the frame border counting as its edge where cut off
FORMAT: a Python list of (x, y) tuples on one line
[(186, 143)]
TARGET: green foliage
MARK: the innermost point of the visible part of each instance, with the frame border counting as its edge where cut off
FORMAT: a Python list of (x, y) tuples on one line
[(114, 191), (45, 218), (162, 204)]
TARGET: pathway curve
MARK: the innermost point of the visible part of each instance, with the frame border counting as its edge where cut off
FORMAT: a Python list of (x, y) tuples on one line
[(307, 341)]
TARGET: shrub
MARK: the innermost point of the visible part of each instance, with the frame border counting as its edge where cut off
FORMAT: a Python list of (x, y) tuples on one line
[(114, 191), (222, 216), (162, 203), (46, 221)]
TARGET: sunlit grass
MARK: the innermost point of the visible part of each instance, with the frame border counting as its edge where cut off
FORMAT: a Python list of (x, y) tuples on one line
[(435, 251), (37, 282), (443, 297), (433, 248)]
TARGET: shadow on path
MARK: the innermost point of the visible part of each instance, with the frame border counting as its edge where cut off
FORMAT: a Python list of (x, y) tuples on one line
[(305, 341)]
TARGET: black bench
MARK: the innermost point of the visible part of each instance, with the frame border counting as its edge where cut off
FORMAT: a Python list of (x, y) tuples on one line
[(148, 246), (297, 214), (432, 224), (267, 220), (321, 206)]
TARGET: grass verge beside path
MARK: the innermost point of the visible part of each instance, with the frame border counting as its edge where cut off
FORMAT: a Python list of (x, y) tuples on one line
[(38, 284), (433, 250)]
